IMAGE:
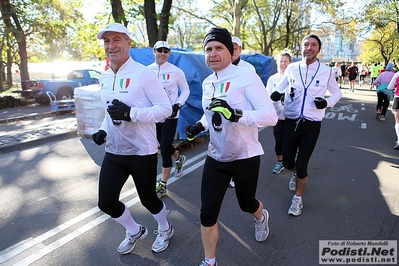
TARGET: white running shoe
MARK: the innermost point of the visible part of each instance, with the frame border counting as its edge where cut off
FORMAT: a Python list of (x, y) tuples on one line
[(162, 240), (262, 229), (292, 184), (130, 241), (203, 263), (296, 206)]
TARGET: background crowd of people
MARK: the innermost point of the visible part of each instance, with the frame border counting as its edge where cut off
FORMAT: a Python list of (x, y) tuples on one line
[(382, 78), (352, 71)]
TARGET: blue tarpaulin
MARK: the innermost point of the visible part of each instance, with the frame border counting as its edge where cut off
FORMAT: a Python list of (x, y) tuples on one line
[(265, 66), (195, 69)]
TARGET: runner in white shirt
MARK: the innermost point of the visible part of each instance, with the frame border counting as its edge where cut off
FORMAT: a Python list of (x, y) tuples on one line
[(236, 60), (135, 101), (235, 104), (336, 69), (283, 59), (172, 79), (303, 87)]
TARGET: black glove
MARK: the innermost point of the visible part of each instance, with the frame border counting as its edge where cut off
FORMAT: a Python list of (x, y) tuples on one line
[(221, 106), (176, 107), (99, 137), (276, 96), (320, 103), (193, 130), (119, 111)]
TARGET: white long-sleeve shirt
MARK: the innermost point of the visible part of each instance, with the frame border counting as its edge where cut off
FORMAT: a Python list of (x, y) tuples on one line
[(337, 71), (302, 83), (172, 79), (271, 86), (136, 86), (242, 89)]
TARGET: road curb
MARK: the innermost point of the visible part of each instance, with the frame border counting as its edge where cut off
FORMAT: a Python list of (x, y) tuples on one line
[(23, 144), (34, 116)]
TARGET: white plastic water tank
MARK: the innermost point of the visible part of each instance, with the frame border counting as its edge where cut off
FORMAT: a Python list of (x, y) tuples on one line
[(88, 109)]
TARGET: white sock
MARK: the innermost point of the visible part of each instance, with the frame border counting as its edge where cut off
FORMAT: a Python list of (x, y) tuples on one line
[(128, 222), (210, 261), (260, 220), (298, 197), (160, 217), (397, 130)]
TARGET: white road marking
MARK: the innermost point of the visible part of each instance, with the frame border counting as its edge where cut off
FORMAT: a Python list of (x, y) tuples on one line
[(26, 244)]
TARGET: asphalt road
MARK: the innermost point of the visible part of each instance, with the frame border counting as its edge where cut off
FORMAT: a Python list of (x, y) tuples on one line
[(49, 196)]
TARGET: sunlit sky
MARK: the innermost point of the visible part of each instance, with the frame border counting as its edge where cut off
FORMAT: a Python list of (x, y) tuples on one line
[(92, 7)]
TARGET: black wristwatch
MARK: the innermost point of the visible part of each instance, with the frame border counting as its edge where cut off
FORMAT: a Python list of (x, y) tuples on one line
[(237, 114)]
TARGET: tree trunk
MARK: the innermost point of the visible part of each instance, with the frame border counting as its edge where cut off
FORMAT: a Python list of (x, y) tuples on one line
[(154, 33), (118, 13), (238, 5), (9, 68), (2, 71), (151, 21), (164, 20), (288, 27)]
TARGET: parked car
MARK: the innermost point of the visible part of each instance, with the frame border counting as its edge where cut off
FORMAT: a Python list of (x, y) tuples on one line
[(62, 88)]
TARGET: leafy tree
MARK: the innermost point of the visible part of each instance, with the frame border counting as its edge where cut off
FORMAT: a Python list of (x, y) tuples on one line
[(270, 25), (57, 28), (267, 23), (381, 46), (8, 52), (381, 13), (382, 20), (12, 22), (188, 25), (54, 29)]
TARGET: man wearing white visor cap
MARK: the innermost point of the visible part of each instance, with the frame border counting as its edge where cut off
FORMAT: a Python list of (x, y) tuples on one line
[(235, 59), (135, 101)]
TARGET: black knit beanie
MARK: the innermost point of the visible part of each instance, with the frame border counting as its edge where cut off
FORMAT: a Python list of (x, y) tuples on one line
[(221, 35), (315, 37)]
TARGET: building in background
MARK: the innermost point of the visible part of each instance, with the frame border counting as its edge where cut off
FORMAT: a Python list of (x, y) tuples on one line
[(336, 48)]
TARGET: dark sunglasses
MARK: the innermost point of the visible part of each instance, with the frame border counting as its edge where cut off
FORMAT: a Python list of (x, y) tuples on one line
[(165, 50)]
